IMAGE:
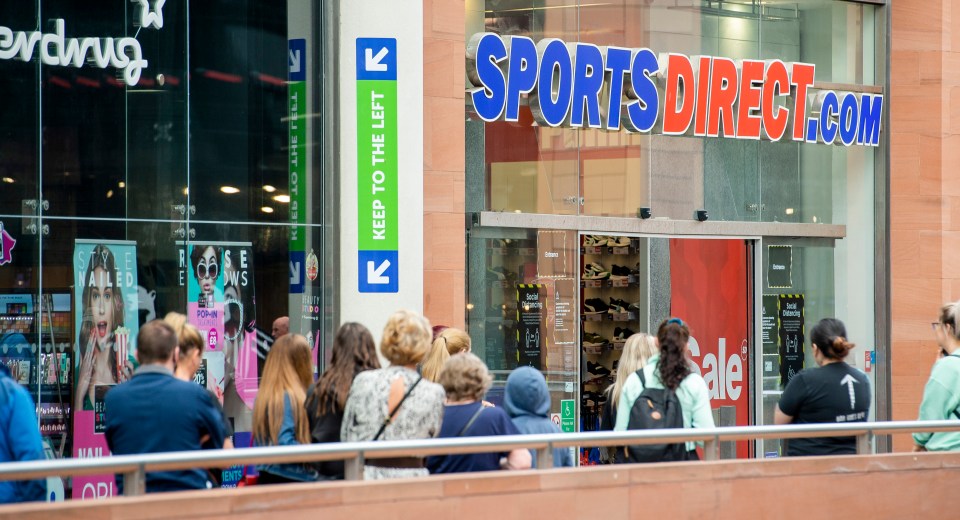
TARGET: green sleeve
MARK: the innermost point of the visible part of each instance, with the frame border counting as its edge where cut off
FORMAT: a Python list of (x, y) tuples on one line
[(939, 400), (631, 391)]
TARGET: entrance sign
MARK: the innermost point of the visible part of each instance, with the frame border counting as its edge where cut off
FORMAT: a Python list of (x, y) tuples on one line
[(582, 85), (377, 169), (780, 267)]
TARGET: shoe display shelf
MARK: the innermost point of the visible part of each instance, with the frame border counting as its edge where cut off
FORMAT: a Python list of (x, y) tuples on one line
[(507, 261), (605, 283)]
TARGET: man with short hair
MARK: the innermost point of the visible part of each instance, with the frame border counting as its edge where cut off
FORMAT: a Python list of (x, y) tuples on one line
[(156, 412), (281, 326)]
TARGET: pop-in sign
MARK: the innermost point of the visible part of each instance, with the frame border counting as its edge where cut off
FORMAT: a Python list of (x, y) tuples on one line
[(6, 246), (377, 169)]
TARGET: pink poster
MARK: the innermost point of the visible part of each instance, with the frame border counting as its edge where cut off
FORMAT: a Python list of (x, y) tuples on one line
[(106, 323)]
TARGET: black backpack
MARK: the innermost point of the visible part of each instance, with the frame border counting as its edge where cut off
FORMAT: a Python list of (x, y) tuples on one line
[(656, 408)]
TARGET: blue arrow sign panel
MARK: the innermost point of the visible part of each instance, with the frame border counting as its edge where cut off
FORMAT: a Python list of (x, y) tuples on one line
[(378, 271), (377, 58), (297, 59)]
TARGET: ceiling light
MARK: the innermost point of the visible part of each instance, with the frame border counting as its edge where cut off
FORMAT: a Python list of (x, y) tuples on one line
[(285, 199), (109, 193), (121, 184), (186, 191), (268, 188), (266, 209), (229, 190), (789, 211), (8, 180)]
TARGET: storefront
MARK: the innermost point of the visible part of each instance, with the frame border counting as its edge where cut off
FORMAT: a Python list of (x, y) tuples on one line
[(695, 195), (158, 156)]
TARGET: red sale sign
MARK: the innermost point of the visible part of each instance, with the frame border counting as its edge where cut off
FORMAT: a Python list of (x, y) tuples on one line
[(710, 291)]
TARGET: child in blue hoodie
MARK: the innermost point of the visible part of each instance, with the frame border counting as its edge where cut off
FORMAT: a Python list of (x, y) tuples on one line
[(527, 402)]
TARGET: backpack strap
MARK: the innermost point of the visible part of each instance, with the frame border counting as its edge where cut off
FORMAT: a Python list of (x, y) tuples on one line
[(472, 420), (643, 378), (396, 409)]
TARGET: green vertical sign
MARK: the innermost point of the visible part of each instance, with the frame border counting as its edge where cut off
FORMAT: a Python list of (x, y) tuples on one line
[(568, 412), (377, 164), (298, 162)]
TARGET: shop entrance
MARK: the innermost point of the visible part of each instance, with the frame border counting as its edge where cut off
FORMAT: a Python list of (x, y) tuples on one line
[(631, 284)]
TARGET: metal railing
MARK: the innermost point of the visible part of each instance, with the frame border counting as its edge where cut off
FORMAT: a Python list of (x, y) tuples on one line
[(354, 454)]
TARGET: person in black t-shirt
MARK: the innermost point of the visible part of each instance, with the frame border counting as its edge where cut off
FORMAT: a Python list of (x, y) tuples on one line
[(833, 393)]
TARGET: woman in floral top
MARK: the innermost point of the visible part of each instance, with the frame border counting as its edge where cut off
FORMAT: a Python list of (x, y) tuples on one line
[(375, 393)]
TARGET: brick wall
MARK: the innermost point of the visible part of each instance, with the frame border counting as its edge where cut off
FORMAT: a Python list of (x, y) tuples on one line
[(925, 188), (443, 162)]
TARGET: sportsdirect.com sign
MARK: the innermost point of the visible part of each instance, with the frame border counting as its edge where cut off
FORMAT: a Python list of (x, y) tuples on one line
[(582, 85)]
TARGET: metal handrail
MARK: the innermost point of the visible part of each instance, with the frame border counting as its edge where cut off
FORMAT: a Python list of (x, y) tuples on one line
[(135, 467)]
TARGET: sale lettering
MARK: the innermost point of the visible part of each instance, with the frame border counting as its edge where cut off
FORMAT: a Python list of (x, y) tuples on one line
[(581, 85), (722, 373)]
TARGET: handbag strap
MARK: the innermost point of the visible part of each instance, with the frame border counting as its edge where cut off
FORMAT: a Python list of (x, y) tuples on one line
[(472, 420), (396, 409)]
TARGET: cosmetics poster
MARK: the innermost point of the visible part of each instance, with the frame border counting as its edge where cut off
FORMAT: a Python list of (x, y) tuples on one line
[(230, 365), (105, 299)]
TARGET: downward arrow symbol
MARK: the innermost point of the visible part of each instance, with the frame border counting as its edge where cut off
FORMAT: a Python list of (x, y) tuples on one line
[(295, 61), (375, 275), (375, 63), (850, 381)]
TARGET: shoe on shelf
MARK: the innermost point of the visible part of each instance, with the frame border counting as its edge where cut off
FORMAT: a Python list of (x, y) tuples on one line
[(594, 241), (597, 370), (618, 242), (634, 306), (593, 340), (616, 306), (618, 272), (594, 306), (499, 273), (622, 334), (595, 271)]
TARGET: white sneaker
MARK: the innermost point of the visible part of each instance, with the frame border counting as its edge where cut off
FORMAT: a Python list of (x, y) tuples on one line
[(619, 242)]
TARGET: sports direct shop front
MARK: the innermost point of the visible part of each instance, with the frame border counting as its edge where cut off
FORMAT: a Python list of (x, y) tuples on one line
[(652, 161)]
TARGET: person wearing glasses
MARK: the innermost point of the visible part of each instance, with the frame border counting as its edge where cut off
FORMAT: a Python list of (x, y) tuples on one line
[(206, 268), (941, 396), (669, 369), (835, 392)]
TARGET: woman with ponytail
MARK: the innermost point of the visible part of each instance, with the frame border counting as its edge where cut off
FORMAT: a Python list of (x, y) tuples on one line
[(670, 369), (833, 393)]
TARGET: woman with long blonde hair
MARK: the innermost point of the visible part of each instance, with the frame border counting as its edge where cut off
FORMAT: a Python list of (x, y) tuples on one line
[(279, 415), (449, 342), (638, 349)]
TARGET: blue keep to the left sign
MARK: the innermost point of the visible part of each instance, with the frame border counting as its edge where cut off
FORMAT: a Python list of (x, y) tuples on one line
[(378, 271)]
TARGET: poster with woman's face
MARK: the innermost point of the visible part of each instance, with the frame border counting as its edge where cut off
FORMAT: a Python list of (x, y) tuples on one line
[(106, 325), (205, 293)]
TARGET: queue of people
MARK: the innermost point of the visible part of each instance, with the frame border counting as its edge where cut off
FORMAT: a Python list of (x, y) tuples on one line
[(435, 387)]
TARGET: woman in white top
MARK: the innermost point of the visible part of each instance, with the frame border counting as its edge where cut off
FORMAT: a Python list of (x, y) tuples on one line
[(376, 394), (670, 369)]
